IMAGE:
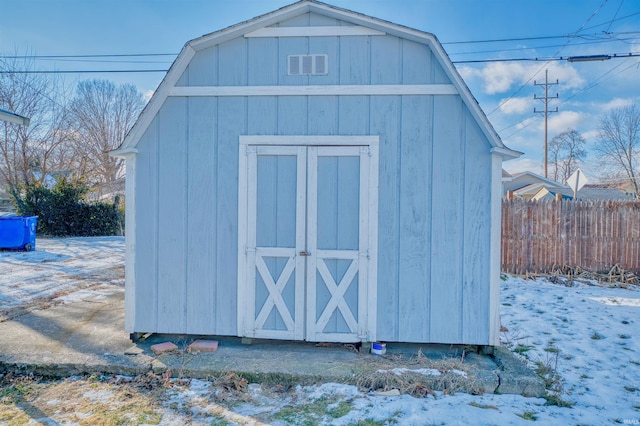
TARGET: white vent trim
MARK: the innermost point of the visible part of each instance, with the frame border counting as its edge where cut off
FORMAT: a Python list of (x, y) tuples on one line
[(317, 64)]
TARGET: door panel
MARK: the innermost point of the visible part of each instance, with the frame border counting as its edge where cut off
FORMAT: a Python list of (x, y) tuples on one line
[(307, 242), (334, 283), (275, 308)]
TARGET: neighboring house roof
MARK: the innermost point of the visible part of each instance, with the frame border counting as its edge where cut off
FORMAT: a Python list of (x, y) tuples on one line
[(585, 193), (13, 118), (546, 194), (291, 11), (518, 181), (596, 193)]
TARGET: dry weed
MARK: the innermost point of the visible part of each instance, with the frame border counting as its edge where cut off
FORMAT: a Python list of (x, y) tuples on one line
[(421, 376)]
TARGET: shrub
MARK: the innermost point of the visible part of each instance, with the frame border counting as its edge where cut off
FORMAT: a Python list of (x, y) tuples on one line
[(62, 211)]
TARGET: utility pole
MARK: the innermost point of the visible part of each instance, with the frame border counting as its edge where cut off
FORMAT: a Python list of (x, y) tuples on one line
[(546, 111)]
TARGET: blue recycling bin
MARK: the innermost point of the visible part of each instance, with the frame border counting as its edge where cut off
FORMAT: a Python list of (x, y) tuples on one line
[(18, 232)]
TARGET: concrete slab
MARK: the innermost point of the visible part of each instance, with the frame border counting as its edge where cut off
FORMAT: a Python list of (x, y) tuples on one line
[(87, 337)]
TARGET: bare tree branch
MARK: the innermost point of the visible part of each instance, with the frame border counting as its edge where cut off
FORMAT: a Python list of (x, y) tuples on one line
[(618, 143)]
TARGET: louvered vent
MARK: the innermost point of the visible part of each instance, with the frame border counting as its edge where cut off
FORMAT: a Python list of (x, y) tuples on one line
[(308, 64)]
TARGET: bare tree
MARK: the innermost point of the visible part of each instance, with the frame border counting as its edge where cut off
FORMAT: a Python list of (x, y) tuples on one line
[(33, 154), (566, 151), (101, 115), (619, 143)]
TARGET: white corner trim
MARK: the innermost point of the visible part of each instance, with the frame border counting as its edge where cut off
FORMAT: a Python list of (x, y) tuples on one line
[(365, 140), (320, 31), (494, 253), (123, 153), (130, 246), (505, 153), (328, 90)]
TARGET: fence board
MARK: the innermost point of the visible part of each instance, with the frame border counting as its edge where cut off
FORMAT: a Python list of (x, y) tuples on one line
[(540, 236)]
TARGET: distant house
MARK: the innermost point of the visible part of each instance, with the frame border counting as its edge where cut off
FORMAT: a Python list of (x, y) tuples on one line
[(314, 174), (527, 184), (602, 192), (5, 201), (531, 186)]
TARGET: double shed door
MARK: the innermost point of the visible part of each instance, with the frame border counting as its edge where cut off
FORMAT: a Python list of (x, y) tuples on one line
[(307, 243)]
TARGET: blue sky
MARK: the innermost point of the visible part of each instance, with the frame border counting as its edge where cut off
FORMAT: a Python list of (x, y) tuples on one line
[(586, 90)]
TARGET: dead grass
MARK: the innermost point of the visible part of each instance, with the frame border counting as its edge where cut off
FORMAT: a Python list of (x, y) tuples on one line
[(566, 275), (455, 376), (83, 401)]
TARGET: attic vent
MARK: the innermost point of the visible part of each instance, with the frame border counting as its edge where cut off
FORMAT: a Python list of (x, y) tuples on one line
[(308, 64)]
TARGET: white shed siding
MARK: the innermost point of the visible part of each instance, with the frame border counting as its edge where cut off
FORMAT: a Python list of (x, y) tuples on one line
[(434, 185)]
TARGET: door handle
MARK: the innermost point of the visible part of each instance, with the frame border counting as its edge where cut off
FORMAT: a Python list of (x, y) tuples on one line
[(304, 253)]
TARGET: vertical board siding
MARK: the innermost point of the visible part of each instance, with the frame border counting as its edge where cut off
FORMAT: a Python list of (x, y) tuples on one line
[(172, 213), (292, 115), (416, 63), (385, 121), (232, 63), (477, 231), (203, 69), (263, 57), (231, 112), (544, 236), (325, 46), (386, 60), (201, 224), (446, 220), (353, 115), (262, 115), (322, 115), (415, 218), (146, 266), (354, 59)]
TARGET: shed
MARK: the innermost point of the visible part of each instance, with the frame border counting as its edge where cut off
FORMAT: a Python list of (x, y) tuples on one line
[(314, 174)]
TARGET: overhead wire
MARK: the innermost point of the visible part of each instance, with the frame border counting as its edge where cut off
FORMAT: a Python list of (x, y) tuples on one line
[(546, 63), (581, 91)]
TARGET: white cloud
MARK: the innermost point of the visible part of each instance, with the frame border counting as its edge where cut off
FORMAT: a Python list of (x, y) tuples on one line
[(590, 135), (520, 165), (148, 94), (500, 77), (469, 73), (616, 103), (517, 105), (563, 120)]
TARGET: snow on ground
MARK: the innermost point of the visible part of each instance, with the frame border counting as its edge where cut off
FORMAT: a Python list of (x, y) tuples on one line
[(59, 268), (586, 335)]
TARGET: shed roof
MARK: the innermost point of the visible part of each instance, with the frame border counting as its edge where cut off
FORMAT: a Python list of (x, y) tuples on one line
[(13, 117), (291, 11)]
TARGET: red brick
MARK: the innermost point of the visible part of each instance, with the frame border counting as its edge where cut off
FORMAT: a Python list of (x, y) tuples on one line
[(164, 347), (203, 346)]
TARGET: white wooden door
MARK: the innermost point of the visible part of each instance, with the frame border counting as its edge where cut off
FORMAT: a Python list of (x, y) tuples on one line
[(307, 242), (337, 241)]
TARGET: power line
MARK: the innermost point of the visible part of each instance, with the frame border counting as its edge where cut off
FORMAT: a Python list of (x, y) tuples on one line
[(546, 60), (549, 59), (76, 71), (546, 63)]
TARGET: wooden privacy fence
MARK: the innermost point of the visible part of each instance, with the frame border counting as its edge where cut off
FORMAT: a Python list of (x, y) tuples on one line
[(541, 236)]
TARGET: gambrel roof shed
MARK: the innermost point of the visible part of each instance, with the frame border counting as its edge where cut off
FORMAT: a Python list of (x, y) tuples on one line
[(314, 174)]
